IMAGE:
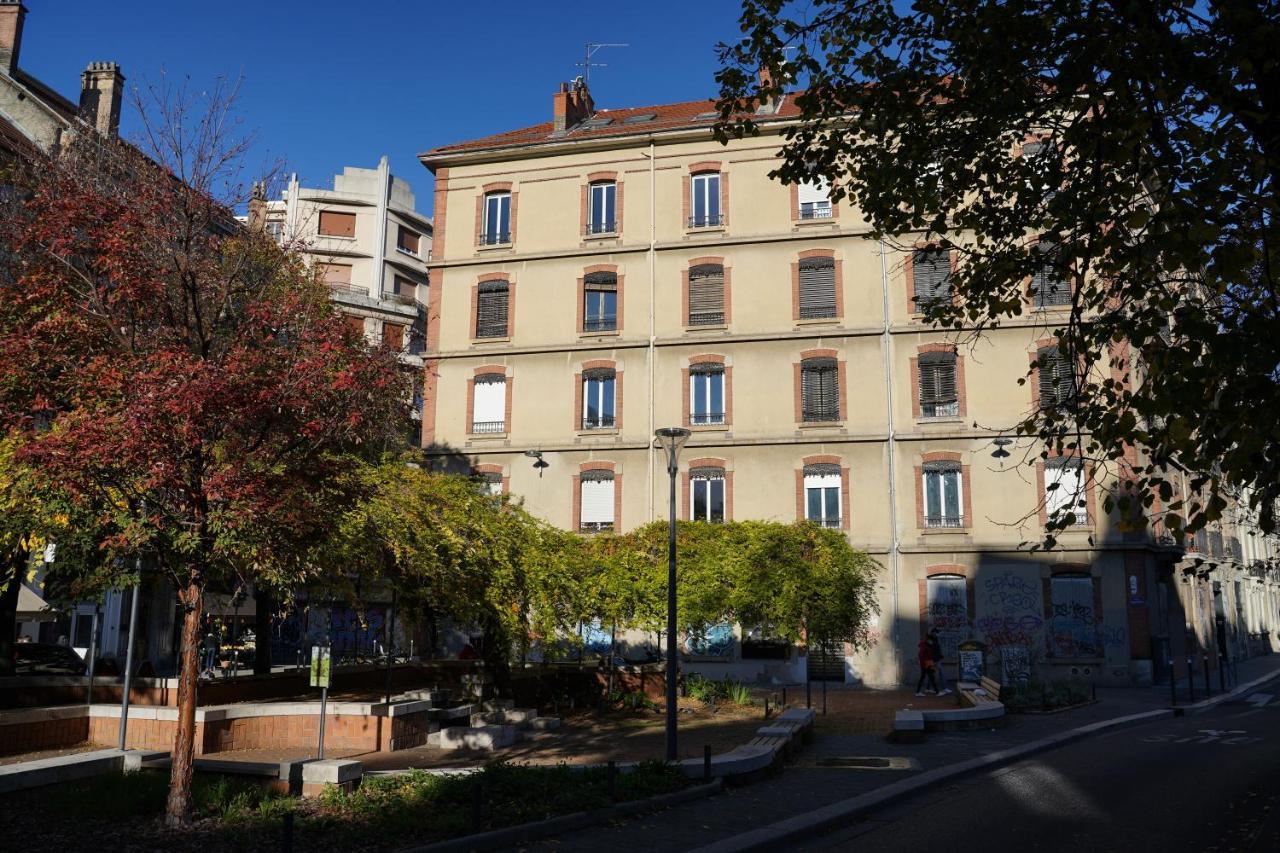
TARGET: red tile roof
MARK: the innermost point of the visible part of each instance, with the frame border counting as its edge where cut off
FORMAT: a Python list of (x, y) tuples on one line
[(665, 117)]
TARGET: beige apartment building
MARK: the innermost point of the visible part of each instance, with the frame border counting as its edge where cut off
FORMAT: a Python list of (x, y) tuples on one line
[(610, 272)]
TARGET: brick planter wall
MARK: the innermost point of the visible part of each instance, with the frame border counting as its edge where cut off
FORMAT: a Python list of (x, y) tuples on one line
[(43, 734)]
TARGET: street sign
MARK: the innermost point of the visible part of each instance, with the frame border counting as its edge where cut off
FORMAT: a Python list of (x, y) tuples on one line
[(320, 666)]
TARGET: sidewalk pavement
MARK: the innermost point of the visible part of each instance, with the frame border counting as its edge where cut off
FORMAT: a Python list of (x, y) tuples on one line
[(808, 785)]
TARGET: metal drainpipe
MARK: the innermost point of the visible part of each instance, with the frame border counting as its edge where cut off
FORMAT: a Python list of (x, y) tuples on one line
[(895, 562), (653, 285)]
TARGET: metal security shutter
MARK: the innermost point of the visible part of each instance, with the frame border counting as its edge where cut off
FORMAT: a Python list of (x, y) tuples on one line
[(335, 224), (491, 310), (597, 499), (1049, 285), (706, 295), (938, 378), (1057, 384), (820, 390), (817, 288), (814, 192), (489, 404), (930, 276)]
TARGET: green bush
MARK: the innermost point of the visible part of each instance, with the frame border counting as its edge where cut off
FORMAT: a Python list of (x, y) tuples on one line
[(708, 691)]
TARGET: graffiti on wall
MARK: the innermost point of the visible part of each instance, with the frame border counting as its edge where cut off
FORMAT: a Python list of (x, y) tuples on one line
[(713, 641), (1012, 610), (351, 636), (947, 611)]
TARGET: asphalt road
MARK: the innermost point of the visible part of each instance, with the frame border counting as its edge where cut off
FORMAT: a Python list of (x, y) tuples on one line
[(1207, 783)]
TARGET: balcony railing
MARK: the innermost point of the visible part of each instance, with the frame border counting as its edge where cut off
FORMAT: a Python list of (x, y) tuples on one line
[(944, 521), (598, 422), (595, 526), (494, 238), (818, 416), (488, 427), (600, 324), (401, 298), (706, 318), (939, 410), (708, 221), (706, 418), (817, 312), (598, 228), (827, 522), (815, 210)]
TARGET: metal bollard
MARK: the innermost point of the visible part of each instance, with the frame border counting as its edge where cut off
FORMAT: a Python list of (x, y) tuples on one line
[(784, 695), (1207, 688), (824, 697), (612, 781), (766, 707), (477, 805), (1191, 679), (286, 834), (706, 762), (1173, 685), (1222, 674)]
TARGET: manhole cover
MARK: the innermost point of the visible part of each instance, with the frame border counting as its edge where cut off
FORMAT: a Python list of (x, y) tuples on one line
[(866, 763)]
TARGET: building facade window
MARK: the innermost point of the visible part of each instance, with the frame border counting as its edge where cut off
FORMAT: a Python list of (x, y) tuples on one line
[(704, 200), (1048, 285), (407, 241), (335, 224), (814, 199), (492, 483), (336, 274), (819, 390), (938, 386), (706, 494), (706, 394), (706, 295), (489, 404), (930, 278), (602, 211), (947, 610), (1065, 493), (596, 491), (492, 309), (598, 403), (496, 227), (1073, 629), (1056, 379), (943, 496), (822, 494), (817, 288), (393, 335), (600, 302)]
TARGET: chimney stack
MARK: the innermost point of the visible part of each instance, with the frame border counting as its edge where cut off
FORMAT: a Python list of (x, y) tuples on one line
[(101, 86), (258, 207), (12, 14), (572, 104)]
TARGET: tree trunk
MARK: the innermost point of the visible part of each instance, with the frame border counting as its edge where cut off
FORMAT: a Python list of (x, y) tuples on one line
[(263, 604), (16, 561), (178, 809)]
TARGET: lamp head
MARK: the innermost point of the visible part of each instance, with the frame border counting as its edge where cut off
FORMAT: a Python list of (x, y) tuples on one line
[(671, 439)]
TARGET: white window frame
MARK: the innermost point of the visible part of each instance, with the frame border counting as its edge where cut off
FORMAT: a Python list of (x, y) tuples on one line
[(706, 481), (608, 204), (598, 392), (823, 482), (814, 198), (708, 418), (701, 188), (959, 487), (597, 513), (504, 219), (1063, 498), (489, 400)]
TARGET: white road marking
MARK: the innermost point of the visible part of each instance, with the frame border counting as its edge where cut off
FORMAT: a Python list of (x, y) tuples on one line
[(1259, 699)]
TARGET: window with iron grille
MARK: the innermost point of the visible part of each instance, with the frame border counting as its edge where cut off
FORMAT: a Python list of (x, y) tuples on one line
[(938, 397), (819, 390), (817, 288), (706, 394), (822, 494), (704, 200), (1057, 379), (596, 501), (598, 388), (600, 302), (930, 277), (706, 494), (496, 227), (1048, 285), (492, 309), (943, 496), (489, 403), (706, 295), (1064, 490), (602, 207)]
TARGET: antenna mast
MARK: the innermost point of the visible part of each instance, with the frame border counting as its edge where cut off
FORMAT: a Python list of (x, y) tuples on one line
[(586, 64)]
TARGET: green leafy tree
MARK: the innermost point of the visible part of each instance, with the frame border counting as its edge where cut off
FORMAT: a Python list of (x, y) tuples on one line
[(1128, 152)]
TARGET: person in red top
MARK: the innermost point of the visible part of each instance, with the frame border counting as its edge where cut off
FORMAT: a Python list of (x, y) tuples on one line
[(928, 667)]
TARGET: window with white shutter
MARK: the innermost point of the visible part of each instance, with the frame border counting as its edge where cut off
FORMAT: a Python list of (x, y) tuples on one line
[(819, 390), (492, 307), (596, 505), (706, 295), (817, 288), (706, 494), (822, 494), (1064, 490), (489, 404), (1057, 379), (930, 277), (937, 374), (814, 199), (1049, 286), (943, 497)]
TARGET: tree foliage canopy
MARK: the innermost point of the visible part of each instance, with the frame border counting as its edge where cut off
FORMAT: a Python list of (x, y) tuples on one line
[(1147, 182)]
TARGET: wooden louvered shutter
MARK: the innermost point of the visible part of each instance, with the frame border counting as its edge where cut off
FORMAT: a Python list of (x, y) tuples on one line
[(938, 378), (491, 310), (1050, 288), (820, 396), (817, 288), (1057, 383), (931, 276), (706, 295)]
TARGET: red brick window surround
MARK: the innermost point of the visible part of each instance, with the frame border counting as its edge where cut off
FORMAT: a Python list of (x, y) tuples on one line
[(496, 214), (817, 286), (706, 489), (706, 294), (493, 307), (943, 493), (705, 195), (707, 381), (937, 383), (928, 274), (489, 401), (601, 205), (495, 478), (600, 300), (1072, 496), (822, 491), (597, 497), (597, 396), (820, 388)]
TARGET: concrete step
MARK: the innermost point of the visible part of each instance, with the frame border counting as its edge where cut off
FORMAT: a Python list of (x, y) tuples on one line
[(520, 717), (498, 704), (544, 723), (473, 737)]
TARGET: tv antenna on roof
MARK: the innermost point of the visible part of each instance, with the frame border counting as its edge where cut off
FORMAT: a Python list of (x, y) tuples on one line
[(586, 64)]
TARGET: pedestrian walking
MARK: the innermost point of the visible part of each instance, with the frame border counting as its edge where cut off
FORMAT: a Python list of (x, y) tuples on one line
[(935, 649), (928, 668)]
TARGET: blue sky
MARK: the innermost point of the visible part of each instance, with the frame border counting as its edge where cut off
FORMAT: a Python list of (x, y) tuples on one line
[(329, 83)]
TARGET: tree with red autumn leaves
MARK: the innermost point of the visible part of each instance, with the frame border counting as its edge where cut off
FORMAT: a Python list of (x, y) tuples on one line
[(161, 361)]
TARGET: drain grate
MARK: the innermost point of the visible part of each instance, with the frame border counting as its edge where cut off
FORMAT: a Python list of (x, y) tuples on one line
[(866, 763)]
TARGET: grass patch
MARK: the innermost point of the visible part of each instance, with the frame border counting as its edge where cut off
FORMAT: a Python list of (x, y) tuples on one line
[(1035, 695), (709, 691)]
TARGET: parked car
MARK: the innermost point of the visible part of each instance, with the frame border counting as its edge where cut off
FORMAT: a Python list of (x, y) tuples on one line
[(46, 659)]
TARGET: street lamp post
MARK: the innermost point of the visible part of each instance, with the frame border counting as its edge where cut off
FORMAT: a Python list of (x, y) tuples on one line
[(671, 439)]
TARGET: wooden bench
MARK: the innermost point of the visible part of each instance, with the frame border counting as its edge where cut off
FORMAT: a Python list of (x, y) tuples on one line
[(991, 687)]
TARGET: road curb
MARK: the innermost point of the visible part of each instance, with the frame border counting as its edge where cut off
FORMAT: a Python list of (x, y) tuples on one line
[(836, 814), (1209, 704)]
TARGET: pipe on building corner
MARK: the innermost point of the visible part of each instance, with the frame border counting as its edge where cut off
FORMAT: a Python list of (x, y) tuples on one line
[(653, 288), (895, 558)]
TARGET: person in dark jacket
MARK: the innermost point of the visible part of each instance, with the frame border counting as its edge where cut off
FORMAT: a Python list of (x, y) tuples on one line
[(927, 668), (935, 649)]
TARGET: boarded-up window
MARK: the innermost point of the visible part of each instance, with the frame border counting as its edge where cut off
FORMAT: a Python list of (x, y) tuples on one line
[(930, 277), (938, 397), (407, 241), (706, 295), (393, 335), (947, 604), (491, 309), (335, 224), (357, 325), (1073, 630), (817, 288), (335, 273)]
